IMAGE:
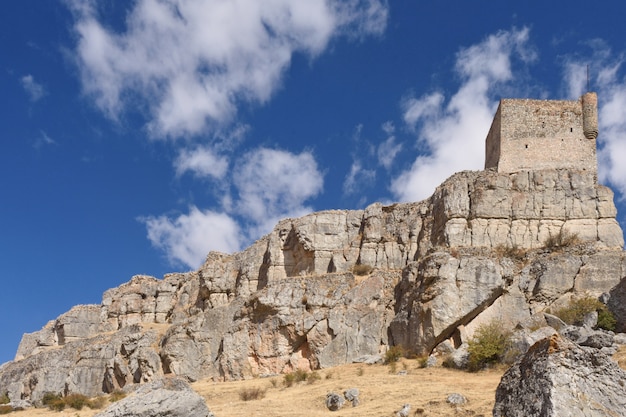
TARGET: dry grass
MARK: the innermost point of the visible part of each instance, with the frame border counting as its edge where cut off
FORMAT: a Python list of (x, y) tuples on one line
[(620, 357), (44, 412), (381, 393)]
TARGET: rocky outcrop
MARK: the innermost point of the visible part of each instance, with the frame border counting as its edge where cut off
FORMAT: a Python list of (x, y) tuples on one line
[(556, 378), (300, 323), (171, 397), (447, 294), (336, 286), (91, 366)]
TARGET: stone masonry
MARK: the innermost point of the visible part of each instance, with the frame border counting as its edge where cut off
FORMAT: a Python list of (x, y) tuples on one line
[(544, 134)]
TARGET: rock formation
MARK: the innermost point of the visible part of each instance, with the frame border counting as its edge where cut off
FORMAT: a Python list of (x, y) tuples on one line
[(559, 378), (171, 397), (335, 286)]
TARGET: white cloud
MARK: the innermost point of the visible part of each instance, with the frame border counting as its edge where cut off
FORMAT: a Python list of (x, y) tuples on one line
[(34, 89), (427, 106), (388, 127), (192, 62), (389, 149), (575, 78), (202, 162), (607, 79), (370, 17), (273, 184), (357, 178), (452, 134), (189, 65), (188, 238), (43, 140)]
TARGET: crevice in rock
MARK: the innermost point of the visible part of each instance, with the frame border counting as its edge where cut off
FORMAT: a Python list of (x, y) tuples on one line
[(264, 269), (449, 332), (298, 260)]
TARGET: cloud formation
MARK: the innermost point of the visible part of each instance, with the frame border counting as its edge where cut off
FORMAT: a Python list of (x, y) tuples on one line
[(188, 238), (201, 161), (389, 148), (34, 90), (357, 178), (189, 65), (43, 140), (608, 79), (452, 132), (192, 62), (270, 184)]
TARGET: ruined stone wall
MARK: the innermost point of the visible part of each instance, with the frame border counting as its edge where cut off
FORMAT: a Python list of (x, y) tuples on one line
[(540, 134)]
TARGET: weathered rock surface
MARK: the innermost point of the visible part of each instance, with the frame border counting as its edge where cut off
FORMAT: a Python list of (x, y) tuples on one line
[(169, 397), (456, 399), (432, 272), (352, 395), (334, 401), (559, 378), (404, 411)]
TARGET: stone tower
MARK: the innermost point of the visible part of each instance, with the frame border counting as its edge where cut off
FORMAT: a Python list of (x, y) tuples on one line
[(544, 134)]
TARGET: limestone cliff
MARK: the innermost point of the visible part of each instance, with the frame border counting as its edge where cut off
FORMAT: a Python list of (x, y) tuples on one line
[(428, 272)]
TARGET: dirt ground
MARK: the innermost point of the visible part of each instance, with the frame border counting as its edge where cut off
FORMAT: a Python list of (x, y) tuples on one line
[(382, 393)]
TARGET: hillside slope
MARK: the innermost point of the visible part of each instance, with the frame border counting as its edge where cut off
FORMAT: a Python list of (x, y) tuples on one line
[(331, 287)]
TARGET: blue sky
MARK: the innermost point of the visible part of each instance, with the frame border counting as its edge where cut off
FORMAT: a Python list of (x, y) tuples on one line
[(137, 136)]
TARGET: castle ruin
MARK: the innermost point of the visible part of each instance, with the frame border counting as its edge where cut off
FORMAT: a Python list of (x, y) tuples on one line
[(544, 134)]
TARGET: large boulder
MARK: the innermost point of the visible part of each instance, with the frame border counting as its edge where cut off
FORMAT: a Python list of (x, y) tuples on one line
[(558, 378), (167, 397)]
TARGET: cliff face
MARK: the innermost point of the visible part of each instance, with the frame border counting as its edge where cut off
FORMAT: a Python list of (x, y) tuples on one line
[(428, 272)]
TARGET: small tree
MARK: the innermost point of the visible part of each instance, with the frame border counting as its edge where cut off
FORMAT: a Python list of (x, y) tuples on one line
[(487, 346), (577, 309)]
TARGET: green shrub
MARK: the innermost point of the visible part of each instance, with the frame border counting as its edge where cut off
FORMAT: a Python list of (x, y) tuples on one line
[(487, 346), (5, 409), (577, 309), (53, 401), (606, 320), (422, 362), (394, 353), (4, 398), (76, 401), (299, 375), (448, 362), (49, 397), (249, 394), (289, 379), (361, 269)]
